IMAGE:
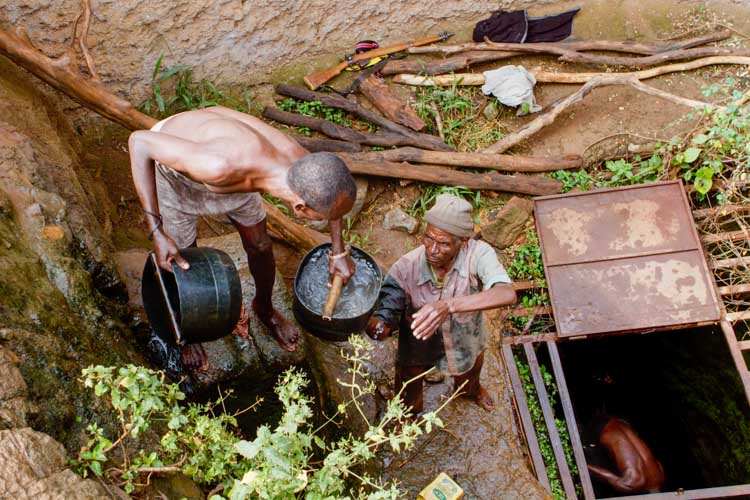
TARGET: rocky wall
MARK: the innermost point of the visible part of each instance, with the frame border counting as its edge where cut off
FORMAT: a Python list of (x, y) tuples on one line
[(60, 298), (236, 41)]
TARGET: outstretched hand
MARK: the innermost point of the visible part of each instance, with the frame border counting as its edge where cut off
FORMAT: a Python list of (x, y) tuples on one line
[(166, 252), (428, 319)]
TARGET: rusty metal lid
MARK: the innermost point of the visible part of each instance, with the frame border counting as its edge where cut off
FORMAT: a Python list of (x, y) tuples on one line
[(624, 259)]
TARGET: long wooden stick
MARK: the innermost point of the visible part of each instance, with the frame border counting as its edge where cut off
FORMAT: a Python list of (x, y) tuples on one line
[(333, 297), (558, 77), (583, 45), (425, 141), (61, 74), (569, 55), (542, 121), (507, 163), (479, 53), (524, 184), (335, 131), (329, 145), (441, 66)]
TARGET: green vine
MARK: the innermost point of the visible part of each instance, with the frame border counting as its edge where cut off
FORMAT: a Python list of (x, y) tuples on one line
[(545, 444)]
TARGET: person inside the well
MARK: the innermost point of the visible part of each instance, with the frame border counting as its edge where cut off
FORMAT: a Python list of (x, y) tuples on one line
[(215, 162), (434, 296), (637, 470)]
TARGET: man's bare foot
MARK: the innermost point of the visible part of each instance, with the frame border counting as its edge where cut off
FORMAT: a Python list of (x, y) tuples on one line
[(284, 331), (484, 400), (242, 328), (194, 357)]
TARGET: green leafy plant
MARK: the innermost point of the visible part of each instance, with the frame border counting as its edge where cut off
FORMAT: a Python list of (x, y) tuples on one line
[(545, 443), (527, 261), (625, 173), (277, 203), (458, 110), (580, 180), (291, 460), (723, 145), (185, 93), (196, 441), (317, 109)]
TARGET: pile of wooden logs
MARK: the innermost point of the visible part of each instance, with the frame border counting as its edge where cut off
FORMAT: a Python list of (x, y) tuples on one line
[(426, 158), (691, 51), (423, 157)]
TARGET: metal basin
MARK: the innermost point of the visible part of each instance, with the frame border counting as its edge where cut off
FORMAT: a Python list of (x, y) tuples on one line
[(198, 305), (338, 328)]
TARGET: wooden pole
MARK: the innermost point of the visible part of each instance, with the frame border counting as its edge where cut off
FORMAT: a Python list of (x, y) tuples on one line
[(524, 184), (542, 121), (559, 77), (335, 131), (427, 141), (582, 45), (507, 163)]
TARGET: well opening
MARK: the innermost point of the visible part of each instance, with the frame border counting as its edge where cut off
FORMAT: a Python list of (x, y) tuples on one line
[(678, 389)]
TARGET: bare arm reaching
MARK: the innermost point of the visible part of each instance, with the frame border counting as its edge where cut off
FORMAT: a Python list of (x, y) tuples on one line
[(630, 481), (429, 318), (145, 147)]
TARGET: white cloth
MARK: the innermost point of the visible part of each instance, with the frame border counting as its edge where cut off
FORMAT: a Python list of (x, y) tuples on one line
[(513, 86)]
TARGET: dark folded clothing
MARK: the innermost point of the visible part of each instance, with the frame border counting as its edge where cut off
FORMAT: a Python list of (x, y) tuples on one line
[(551, 28), (517, 27), (502, 26)]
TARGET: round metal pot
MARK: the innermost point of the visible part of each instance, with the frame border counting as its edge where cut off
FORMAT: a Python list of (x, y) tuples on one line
[(336, 329), (198, 305)]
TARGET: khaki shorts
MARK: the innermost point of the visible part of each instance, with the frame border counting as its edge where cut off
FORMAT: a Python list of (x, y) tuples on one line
[(182, 201)]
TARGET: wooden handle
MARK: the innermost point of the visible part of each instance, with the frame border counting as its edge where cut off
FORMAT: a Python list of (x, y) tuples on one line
[(315, 80), (333, 297)]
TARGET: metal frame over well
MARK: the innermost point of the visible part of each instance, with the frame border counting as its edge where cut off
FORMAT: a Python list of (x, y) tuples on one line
[(529, 342)]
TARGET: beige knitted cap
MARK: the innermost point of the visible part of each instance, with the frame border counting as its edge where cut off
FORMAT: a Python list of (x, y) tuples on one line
[(452, 214)]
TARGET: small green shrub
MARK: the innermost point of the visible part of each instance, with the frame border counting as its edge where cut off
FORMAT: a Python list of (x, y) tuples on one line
[(292, 460)]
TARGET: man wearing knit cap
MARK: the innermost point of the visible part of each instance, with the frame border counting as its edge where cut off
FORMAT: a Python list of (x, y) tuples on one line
[(435, 295)]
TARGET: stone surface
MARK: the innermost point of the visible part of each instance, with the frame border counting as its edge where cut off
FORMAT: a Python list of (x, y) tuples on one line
[(509, 223), (32, 464), (328, 366), (398, 220), (235, 41), (57, 281)]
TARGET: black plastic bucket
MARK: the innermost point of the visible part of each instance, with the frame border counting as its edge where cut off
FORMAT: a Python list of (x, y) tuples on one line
[(198, 305), (338, 328)]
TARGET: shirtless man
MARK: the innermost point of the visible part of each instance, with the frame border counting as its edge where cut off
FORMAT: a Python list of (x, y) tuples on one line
[(216, 161), (639, 471)]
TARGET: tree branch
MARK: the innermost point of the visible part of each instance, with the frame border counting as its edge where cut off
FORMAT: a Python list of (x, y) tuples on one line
[(542, 121), (584, 45)]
